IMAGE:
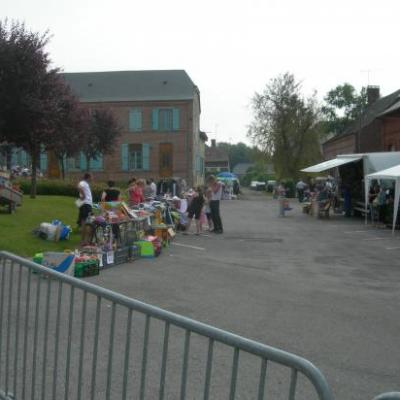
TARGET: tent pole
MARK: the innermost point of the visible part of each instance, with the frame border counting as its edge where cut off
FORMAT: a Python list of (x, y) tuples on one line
[(396, 203), (366, 185)]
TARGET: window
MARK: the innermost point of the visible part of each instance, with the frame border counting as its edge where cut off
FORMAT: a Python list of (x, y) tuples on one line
[(135, 120), (135, 157), (165, 119), (74, 163)]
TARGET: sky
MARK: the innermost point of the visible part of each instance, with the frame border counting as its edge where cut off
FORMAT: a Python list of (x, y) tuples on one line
[(230, 49)]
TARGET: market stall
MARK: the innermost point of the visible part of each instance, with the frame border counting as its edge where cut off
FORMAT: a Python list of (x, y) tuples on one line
[(392, 173), (116, 234)]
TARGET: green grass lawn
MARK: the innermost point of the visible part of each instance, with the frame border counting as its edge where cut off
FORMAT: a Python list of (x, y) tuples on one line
[(16, 229)]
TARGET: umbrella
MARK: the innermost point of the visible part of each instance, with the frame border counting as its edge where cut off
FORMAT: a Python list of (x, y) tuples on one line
[(226, 175)]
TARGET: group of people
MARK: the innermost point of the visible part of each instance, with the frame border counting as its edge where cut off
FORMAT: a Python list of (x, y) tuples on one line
[(203, 203), (380, 200)]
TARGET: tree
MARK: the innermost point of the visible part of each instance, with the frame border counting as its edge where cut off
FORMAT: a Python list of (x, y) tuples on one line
[(103, 130), (343, 105), (286, 126), (72, 130), (31, 92), (238, 153)]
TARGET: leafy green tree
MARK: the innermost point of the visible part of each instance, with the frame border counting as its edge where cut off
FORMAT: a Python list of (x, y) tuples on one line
[(342, 106), (238, 153), (286, 126)]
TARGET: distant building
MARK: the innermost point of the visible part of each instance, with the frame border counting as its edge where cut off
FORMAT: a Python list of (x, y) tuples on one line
[(378, 128), (217, 159), (159, 112), (241, 169)]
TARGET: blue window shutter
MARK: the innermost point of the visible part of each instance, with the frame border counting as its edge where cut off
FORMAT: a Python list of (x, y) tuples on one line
[(125, 156), (43, 161), (154, 119), (24, 158), (135, 120), (13, 157), (96, 165), (82, 163), (146, 156), (175, 119), (65, 163)]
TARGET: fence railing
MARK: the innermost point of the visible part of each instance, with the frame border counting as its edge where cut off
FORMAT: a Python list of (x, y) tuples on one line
[(64, 338)]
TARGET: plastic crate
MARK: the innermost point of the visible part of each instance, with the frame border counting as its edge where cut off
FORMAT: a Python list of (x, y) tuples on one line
[(86, 268), (121, 255), (134, 252)]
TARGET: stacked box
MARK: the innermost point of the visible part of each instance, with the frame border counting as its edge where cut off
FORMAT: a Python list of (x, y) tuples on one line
[(84, 268), (121, 255)]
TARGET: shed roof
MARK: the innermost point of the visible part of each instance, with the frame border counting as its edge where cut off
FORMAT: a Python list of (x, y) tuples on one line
[(117, 86), (214, 153), (241, 168)]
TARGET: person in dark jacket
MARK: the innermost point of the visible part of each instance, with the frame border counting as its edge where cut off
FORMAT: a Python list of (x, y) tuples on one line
[(111, 193), (195, 209)]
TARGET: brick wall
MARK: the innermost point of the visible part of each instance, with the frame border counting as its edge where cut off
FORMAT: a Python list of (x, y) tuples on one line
[(371, 138), (182, 141), (344, 145), (391, 134)]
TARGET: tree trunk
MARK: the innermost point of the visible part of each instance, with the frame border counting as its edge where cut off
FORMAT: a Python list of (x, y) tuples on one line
[(33, 176), (87, 163), (62, 167)]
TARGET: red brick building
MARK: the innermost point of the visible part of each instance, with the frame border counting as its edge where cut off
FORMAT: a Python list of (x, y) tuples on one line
[(159, 112), (217, 159), (378, 129)]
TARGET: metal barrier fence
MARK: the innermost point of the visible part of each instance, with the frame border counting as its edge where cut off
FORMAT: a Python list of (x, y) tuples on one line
[(64, 338)]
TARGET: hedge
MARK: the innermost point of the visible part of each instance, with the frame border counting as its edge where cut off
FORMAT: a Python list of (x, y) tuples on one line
[(59, 188)]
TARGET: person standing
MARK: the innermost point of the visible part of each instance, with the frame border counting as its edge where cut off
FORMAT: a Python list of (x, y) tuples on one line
[(216, 195), (85, 196), (300, 186), (111, 193), (281, 194), (195, 209), (136, 193), (153, 188)]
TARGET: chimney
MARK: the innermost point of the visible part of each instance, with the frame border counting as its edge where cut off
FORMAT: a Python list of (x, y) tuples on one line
[(372, 94), (213, 143)]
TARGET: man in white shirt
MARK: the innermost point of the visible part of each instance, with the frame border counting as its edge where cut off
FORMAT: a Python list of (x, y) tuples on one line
[(300, 190), (216, 189), (85, 195), (153, 188)]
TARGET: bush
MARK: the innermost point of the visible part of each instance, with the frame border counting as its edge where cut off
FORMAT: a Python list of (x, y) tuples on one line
[(53, 187)]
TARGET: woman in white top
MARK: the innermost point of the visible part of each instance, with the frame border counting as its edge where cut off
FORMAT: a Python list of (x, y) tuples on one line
[(85, 195), (216, 195)]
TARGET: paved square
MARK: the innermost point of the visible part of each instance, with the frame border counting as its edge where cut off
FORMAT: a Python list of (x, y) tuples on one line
[(327, 290)]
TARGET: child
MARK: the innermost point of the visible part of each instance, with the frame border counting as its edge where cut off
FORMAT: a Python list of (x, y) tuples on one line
[(194, 210)]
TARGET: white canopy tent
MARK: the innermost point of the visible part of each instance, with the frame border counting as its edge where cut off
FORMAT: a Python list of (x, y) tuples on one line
[(372, 162), (392, 173), (336, 162)]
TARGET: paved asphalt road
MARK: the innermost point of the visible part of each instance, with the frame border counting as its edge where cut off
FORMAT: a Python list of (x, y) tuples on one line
[(327, 290)]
